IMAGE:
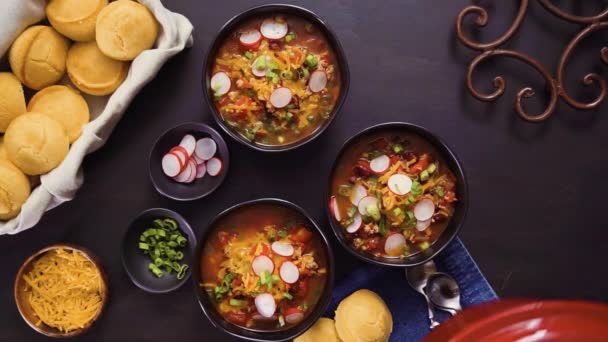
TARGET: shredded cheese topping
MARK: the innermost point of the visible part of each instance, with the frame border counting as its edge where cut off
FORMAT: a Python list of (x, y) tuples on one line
[(65, 290)]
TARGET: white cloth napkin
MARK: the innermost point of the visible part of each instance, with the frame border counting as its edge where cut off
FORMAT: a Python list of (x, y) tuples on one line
[(61, 184)]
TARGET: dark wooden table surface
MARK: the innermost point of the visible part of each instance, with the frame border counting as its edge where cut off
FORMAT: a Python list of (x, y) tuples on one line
[(536, 224)]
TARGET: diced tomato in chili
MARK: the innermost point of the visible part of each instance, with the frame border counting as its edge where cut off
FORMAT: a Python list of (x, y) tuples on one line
[(264, 251), (302, 235), (372, 243), (450, 196), (237, 317), (301, 288), (421, 165)]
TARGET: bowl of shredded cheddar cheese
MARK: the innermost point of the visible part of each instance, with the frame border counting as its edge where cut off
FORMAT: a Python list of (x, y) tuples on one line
[(61, 290)]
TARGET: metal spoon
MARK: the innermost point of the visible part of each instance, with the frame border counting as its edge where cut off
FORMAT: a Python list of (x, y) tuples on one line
[(417, 277), (444, 292)]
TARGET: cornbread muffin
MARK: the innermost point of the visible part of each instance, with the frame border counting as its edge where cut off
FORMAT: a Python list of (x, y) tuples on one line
[(12, 100), (36, 143), (323, 330), (363, 317), (75, 19), (124, 29), (92, 72), (14, 190), (63, 104), (37, 56), (3, 154)]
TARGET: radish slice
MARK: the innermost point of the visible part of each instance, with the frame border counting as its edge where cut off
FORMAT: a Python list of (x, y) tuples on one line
[(333, 207), (262, 263), (318, 81), (205, 148), (214, 167), (289, 272), (249, 39), (280, 97), (273, 29), (265, 304), (198, 160), (188, 143), (282, 248), (380, 164), (183, 176), (423, 225), (259, 72), (399, 184), (294, 315), (201, 170), (424, 210), (220, 83), (357, 193), (366, 202), (181, 153), (357, 223), (394, 244), (182, 160), (193, 171), (171, 165)]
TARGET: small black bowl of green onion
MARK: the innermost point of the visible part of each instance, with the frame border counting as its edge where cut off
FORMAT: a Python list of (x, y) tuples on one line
[(157, 250)]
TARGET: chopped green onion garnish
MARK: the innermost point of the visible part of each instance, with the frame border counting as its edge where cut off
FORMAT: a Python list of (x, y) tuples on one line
[(289, 116), (287, 295), (311, 61), (283, 233), (439, 191), (291, 36), (424, 175), (236, 302), (431, 168), (260, 63), (248, 55), (410, 215), (397, 148), (424, 245), (397, 211), (310, 118)]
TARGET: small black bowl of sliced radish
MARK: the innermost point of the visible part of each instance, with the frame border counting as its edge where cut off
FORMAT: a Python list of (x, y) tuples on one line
[(188, 162)]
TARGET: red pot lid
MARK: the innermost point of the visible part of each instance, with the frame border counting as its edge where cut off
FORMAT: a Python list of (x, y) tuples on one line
[(525, 320)]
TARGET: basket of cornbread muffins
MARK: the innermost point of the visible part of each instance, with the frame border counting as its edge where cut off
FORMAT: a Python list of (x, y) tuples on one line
[(68, 70)]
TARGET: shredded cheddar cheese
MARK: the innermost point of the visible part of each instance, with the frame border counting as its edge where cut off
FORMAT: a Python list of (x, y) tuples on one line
[(65, 290)]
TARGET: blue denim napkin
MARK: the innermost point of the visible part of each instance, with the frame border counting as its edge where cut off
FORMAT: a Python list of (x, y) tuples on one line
[(410, 317)]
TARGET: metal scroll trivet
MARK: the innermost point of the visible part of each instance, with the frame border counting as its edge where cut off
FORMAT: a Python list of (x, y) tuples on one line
[(555, 84)]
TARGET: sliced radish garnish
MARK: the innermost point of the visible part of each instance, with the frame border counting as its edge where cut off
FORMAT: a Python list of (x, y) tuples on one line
[(181, 153), (394, 244), (380, 164), (424, 210), (399, 184), (423, 225), (220, 83), (357, 193), (205, 148), (198, 160), (214, 167), (333, 207), (188, 143), (183, 176), (294, 315), (201, 170), (265, 304), (280, 97), (318, 81), (282, 248), (273, 29), (262, 263), (289, 272), (250, 39), (171, 164), (365, 203), (259, 72), (357, 223)]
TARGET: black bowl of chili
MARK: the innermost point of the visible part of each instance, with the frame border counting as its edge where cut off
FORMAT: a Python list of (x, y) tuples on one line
[(213, 252), (289, 97), (384, 206)]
